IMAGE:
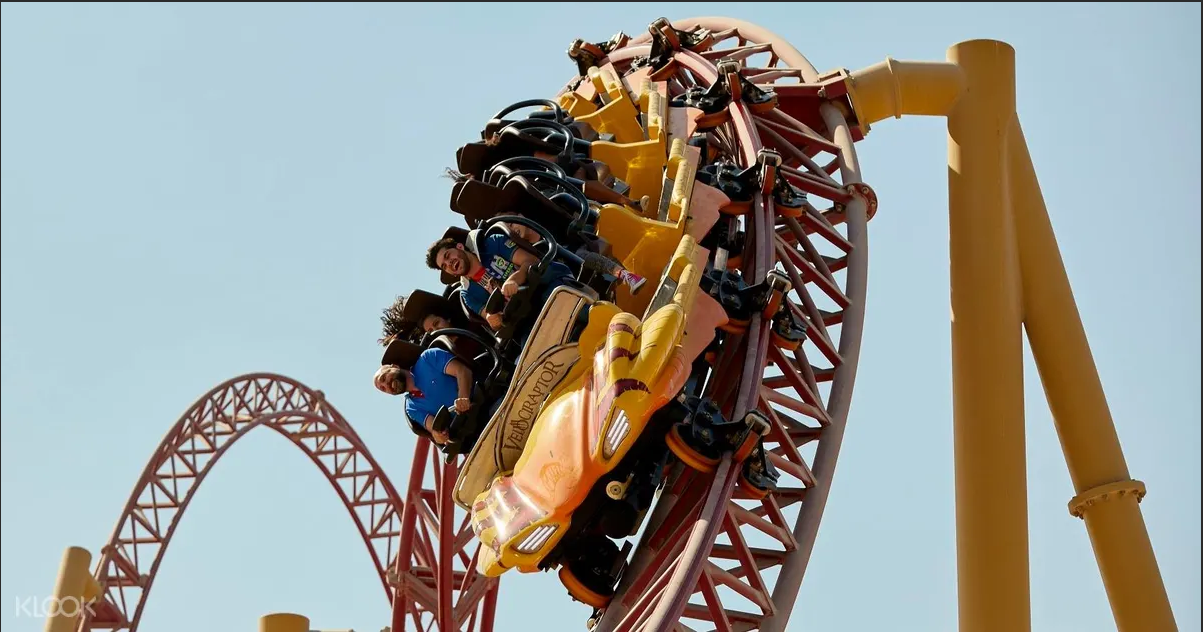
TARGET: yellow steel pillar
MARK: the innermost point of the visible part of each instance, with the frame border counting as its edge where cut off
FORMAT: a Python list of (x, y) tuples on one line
[(74, 588), (1107, 496), (283, 622), (987, 349)]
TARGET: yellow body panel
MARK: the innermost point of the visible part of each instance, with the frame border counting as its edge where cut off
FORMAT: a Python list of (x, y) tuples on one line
[(645, 244), (639, 164), (619, 115), (628, 370), (576, 105)]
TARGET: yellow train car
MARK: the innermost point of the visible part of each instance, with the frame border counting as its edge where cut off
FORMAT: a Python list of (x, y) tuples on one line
[(601, 399)]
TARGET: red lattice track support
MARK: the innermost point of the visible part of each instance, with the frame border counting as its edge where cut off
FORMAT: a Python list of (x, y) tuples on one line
[(127, 565), (439, 588), (710, 553)]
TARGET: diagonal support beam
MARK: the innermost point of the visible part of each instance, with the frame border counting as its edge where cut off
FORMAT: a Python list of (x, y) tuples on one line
[(1107, 497)]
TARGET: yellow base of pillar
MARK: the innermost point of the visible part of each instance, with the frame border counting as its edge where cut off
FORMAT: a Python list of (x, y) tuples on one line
[(283, 622), (74, 586)]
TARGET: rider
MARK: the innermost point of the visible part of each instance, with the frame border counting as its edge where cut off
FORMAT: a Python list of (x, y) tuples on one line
[(594, 260), (394, 324), (436, 379), (500, 264), (591, 259)]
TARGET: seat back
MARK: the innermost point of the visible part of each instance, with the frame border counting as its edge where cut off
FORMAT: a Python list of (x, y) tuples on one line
[(421, 303), (469, 352), (402, 353), (474, 158), (480, 201)]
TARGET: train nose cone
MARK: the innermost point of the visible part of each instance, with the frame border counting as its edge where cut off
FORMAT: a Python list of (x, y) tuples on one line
[(486, 563)]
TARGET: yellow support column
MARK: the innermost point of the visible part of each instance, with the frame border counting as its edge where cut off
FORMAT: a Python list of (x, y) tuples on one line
[(987, 349), (283, 622), (1106, 497), (73, 584)]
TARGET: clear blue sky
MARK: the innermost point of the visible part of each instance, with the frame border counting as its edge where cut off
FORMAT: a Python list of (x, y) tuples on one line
[(195, 192)]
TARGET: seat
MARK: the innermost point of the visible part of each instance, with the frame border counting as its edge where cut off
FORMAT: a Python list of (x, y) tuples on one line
[(566, 143), (517, 312), (421, 303), (477, 321), (520, 138), (550, 351), (552, 111), (510, 166), (479, 202)]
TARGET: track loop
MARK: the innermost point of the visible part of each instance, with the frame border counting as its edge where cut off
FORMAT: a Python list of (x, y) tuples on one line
[(128, 563), (715, 541)]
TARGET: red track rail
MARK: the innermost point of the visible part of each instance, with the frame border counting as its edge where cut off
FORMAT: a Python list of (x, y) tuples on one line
[(127, 565), (705, 537), (439, 587)]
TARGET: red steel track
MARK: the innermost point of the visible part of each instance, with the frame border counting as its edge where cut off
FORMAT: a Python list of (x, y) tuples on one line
[(706, 550), (707, 547), (127, 564), (439, 588)]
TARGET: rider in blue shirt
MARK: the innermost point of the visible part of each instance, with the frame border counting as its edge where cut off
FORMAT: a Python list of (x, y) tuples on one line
[(436, 379), (499, 264)]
